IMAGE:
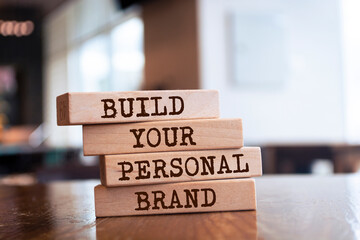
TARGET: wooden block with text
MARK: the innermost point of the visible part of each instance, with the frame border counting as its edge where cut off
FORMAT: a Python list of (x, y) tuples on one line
[(184, 197), (162, 136), (166, 167), (117, 107)]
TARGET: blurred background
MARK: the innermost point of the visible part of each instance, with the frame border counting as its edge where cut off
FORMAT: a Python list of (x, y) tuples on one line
[(290, 69)]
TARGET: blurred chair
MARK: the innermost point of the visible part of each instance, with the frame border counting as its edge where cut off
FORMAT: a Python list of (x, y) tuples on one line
[(301, 158)]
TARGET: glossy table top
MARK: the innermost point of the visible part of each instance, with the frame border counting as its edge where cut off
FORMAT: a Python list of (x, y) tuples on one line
[(289, 207)]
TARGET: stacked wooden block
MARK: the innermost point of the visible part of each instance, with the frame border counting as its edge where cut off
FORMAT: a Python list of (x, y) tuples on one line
[(163, 152)]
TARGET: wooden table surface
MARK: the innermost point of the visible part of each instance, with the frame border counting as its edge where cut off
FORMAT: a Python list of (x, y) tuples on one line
[(289, 207)]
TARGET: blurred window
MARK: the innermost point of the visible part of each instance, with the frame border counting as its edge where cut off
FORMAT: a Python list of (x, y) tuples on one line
[(94, 64), (90, 46), (114, 60), (127, 54)]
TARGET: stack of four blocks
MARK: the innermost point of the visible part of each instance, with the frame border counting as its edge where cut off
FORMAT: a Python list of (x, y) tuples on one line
[(163, 152)]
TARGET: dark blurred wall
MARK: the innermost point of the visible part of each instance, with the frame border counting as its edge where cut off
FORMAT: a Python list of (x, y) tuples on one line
[(171, 44), (25, 54)]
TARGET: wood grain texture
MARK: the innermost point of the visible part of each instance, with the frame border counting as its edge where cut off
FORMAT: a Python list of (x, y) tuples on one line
[(288, 207), (117, 107), (185, 197), (235, 225), (167, 167), (151, 136)]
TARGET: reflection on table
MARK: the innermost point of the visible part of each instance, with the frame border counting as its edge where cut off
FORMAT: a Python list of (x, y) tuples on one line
[(289, 207)]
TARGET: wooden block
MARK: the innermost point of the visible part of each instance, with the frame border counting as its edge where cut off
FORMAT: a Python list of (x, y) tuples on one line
[(162, 136), (166, 167), (185, 197), (117, 107)]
